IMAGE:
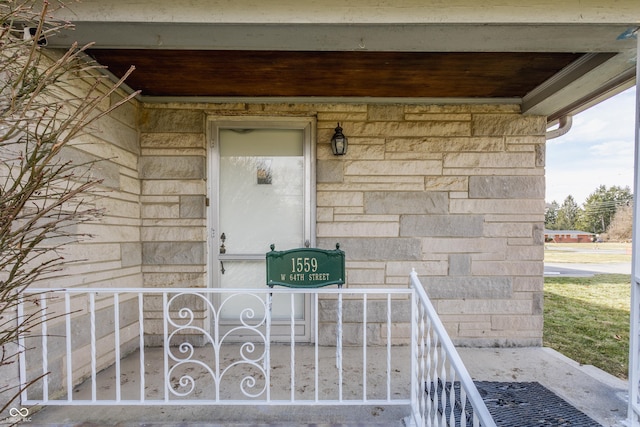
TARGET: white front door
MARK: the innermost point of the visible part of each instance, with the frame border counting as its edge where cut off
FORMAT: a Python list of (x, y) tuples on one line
[(261, 176)]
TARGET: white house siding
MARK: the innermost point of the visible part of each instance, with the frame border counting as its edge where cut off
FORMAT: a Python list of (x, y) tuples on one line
[(454, 191)]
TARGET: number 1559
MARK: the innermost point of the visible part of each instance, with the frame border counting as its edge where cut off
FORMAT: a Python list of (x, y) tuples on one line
[(306, 265)]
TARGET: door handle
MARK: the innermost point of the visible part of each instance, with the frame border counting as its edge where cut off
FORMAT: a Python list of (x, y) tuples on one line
[(223, 250)]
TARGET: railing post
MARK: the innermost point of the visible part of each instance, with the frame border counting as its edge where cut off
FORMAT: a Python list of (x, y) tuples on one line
[(267, 346), (22, 348), (364, 347), (141, 344), (67, 319), (45, 335), (92, 316), (165, 346), (116, 335), (389, 346), (316, 356), (293, 347), (450, 356), (339, 347), (416, 417)]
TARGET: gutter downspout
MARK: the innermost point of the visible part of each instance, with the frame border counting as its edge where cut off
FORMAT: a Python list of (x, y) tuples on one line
[(565, 123)]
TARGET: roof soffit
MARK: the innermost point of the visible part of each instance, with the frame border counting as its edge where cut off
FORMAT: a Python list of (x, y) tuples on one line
[(608, 68)]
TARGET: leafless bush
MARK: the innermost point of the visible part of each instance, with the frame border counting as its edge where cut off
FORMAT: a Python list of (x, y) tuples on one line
[(620, 229), (47, 99)]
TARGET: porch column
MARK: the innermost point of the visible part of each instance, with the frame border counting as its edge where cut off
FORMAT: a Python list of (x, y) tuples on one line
[(634, 339)]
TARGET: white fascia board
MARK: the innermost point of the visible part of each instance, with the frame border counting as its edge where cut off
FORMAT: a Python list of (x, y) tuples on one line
[(584, 91), (333, 37), (355, 11)]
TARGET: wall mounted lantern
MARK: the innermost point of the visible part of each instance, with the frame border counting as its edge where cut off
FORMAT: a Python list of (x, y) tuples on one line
[(339, 142)]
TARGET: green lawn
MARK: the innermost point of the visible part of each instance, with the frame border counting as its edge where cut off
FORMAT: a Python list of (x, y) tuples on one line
[(587, 319)]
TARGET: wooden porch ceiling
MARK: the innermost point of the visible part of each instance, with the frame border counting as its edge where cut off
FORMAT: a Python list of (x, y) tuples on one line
[(261, 73)]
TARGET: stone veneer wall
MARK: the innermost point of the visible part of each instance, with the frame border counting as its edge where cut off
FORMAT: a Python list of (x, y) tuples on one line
[(454, 191), (173, 178), (109, 257)]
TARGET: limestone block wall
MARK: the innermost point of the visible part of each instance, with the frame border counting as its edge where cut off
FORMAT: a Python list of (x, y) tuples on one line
[(173, 192), (454, 191), (110, 255)]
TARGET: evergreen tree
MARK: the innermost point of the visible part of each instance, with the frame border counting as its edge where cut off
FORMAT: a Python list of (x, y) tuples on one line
[(567, 214), (551, 216)]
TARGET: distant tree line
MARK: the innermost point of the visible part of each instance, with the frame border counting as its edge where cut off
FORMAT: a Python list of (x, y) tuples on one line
[(605, 211)]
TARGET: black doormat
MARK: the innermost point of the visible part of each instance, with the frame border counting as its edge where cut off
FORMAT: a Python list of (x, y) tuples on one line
[(522, 404), (529, 404)]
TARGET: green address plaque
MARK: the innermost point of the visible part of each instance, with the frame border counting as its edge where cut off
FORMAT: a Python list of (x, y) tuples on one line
[(305, 267)]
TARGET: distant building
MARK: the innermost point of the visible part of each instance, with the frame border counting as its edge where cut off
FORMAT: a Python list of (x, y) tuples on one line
[(568, 236)]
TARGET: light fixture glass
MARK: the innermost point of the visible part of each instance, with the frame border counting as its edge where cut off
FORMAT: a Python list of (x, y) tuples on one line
[(339, 142)]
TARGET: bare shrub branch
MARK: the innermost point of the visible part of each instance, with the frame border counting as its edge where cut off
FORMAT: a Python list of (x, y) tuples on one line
[(47, 99)]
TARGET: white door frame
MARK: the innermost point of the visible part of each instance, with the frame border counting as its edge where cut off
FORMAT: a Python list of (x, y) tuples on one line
[(217, 122)]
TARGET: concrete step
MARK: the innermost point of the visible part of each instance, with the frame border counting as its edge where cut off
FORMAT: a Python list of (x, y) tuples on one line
[(221, 416), (95, 423)]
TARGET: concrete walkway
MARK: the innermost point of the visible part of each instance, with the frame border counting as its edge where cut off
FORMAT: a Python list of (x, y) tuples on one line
[(579, 270)]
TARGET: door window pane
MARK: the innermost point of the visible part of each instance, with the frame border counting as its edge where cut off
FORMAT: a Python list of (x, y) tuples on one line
[(261, 189)]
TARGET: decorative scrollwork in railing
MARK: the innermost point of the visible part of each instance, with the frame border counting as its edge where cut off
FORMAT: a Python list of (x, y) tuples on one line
[(182, 322)]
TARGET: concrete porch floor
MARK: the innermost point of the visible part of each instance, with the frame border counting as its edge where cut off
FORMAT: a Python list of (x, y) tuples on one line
[(592, 391), (255, 413)]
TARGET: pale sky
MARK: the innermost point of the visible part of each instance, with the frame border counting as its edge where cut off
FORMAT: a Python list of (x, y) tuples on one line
[(598, 150)]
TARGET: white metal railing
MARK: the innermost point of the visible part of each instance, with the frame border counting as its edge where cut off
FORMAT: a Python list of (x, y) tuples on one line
[(181, 346), (142, 346), (444, 393)]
